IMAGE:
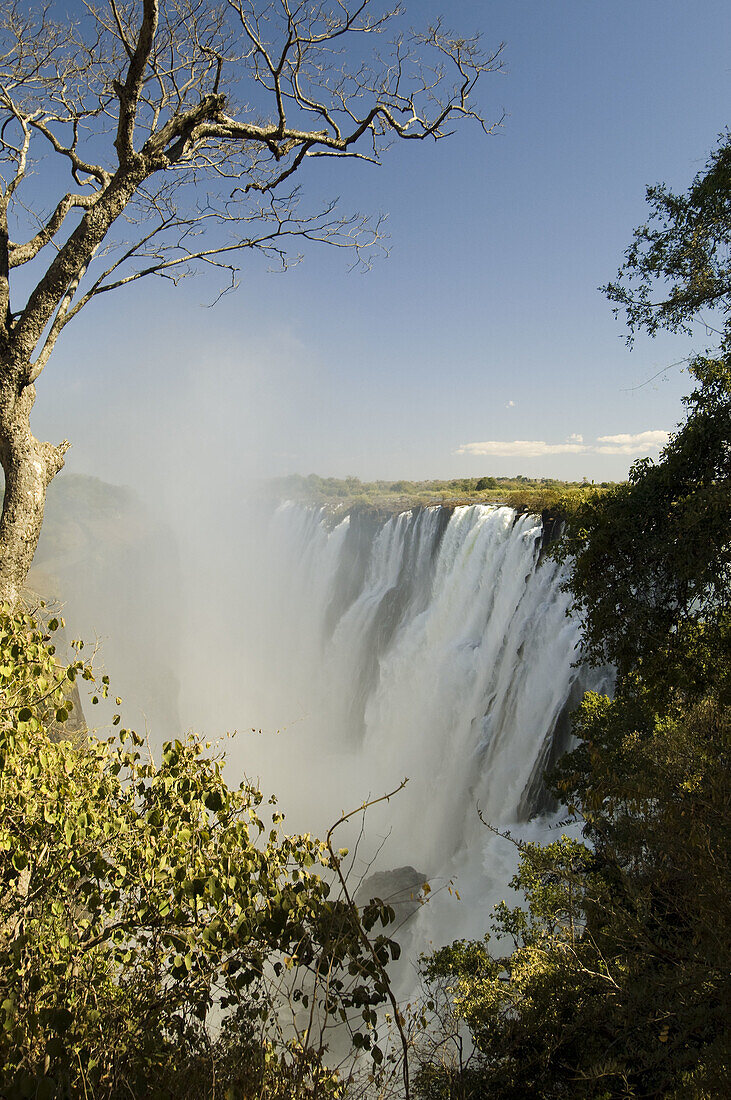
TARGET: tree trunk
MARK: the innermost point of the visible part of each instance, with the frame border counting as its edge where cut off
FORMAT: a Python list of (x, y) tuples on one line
[(29, 467)]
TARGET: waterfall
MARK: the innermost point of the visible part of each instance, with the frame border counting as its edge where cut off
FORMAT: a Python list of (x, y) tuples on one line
[(434, 644)]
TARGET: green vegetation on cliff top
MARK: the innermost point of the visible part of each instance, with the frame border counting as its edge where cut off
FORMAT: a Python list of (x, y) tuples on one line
[(522, 493)]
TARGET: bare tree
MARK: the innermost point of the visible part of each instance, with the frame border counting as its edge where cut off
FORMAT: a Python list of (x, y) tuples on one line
[(171, 131)]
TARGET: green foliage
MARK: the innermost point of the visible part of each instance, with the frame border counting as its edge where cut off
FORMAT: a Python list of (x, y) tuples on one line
[(35, 690), (522, 493), (532, 1014), (617, 985), (679, 261), (652, 558), (155, 924), (654, 793)]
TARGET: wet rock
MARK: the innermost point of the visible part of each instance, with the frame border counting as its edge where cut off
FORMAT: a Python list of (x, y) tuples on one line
[(400, 888)]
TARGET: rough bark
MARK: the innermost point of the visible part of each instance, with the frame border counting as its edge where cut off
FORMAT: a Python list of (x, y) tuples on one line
[(29, 466)]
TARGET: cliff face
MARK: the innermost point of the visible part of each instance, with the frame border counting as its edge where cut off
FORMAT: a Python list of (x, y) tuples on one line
[(114, 568)]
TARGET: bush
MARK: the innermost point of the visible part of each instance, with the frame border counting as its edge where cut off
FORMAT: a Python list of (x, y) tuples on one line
[(155, 924)]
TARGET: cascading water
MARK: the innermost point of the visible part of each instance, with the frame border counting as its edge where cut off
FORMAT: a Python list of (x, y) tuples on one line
[(434, 645)]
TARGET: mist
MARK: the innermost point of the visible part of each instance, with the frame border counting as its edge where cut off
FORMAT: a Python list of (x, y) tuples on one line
[(331, 658), (219, 612)]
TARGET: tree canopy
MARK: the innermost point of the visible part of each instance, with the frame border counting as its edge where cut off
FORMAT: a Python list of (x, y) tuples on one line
[(160, 935), (616, 983), (678, 262), (651, 558)]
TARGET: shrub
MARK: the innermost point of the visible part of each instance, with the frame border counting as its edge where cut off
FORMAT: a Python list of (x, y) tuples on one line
[(155, 924)]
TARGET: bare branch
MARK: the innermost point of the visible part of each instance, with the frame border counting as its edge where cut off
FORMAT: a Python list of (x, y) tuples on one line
[(79, 166), (22, 253), (335, 862), (181, 117), (129, 92), (120, 30), (58, 324)]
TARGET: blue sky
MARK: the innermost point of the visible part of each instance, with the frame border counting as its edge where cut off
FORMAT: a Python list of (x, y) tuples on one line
[(481, 345)]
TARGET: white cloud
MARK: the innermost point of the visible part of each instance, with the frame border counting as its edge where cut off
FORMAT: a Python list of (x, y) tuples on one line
[(632, 444), (527, 448), (622, 444)]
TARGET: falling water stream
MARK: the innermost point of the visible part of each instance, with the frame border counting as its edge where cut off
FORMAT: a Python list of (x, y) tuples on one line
[(432, 645)]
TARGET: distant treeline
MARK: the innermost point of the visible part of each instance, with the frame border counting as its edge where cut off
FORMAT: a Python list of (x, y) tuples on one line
[(522, 493)]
